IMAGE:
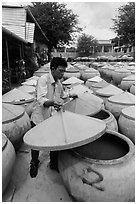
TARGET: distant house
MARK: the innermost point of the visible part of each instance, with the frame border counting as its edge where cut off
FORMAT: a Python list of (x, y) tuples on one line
[(21, 35)]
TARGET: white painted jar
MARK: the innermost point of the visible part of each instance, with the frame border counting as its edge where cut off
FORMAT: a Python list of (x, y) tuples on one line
[(116, 103), (15, 123), (119, 74), (71, 72), (93, 80), (8, 161), (101, 171), (126, 122), (127, 82), (89, 73), (132, 89)]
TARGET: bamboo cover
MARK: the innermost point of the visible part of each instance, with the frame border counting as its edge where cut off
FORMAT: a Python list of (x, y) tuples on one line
[(95, 79), (109, 90), (64, 130), (80, 89), (72, 80), (123, 98), (129, 112)]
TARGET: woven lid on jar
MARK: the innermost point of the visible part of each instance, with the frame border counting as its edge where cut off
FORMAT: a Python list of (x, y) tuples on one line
[(72, 80), (72, 69), (95, 79), (27, 89), (31, 82), (109, 90), (16, 96), (122, 70), (85, 104), (79, 89), (91, 70), (129, 112), (4, 141), (100, 84), (123, 98), (11, 113), (64, 130)]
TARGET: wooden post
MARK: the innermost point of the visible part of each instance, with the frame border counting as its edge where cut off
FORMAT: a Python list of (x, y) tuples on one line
[(7, 52)]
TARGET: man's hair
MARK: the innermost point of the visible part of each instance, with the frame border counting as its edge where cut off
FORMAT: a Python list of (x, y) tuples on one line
[(57, 61)]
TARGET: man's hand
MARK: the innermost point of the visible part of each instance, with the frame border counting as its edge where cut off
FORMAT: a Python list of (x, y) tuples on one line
[(48, 103)]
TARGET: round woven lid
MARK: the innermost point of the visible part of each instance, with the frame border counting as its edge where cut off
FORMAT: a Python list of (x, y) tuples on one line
[(91, 70), (64, 130), (16, 96), (85, 104), (95, 79), (72, 80), (79, 89), (129, 78), (109, 90), (4, 141), (123, 98), (72, 69), (129, 112), (11, 113), (27, 89), (100, 84)]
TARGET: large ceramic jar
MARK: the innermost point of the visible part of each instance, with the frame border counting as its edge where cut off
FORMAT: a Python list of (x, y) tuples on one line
[(108, 118), (119, 74), (108, 73), (8, 160), (127, 82), (126, 122), (89, 73), (101, 171), (116, 103), (93, 80), (15, 123), (20, 98), (108, 91), (71, 72), (132, 89)]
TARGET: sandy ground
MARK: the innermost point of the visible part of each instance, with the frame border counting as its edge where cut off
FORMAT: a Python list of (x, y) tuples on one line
[(46, 187)]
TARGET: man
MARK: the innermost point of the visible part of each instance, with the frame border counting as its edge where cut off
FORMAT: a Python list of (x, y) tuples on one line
[(49, 93)]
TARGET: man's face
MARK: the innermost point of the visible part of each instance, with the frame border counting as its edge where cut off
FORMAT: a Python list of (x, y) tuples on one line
[(59, 72)]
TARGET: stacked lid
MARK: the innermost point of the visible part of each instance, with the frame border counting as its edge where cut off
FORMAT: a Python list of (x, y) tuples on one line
[(16, 96), (109, 90), (79, 89), (123, 98), (11, 113), (129, 112), (72, 80), (64, 130), (85, 104)]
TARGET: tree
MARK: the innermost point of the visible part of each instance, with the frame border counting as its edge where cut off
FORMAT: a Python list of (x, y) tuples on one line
[(57, 22), (86, 45), (124, 24)]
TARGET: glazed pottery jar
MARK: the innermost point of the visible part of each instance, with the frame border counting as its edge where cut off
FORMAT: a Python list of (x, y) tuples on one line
[(93, 80), (8, 161), (101, 171), (108, 91), (40, 72), (126, 122), (132, 89), (119, 74), (116, 103), (71, 72), (15, 123), (127, 82), (89, 73), (20, 98)]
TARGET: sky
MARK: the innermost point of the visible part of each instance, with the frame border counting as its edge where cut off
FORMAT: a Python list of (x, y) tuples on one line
[(94, 17)]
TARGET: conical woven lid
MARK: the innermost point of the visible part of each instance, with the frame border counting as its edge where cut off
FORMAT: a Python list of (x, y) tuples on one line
[(95, 79), (109, 90), (123, 98), (72, 80), (79, 89), (91, 70), (100, 84), (16, 96), (4, 141), (64, 130), (27, 89), (31, 82), (72, 69), (122, 70), (85, 104), (129, 78), (11, 113), (129, 112)]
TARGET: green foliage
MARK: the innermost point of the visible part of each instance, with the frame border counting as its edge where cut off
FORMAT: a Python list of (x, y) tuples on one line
[(124, 24), (57, 22), (85, 45)]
